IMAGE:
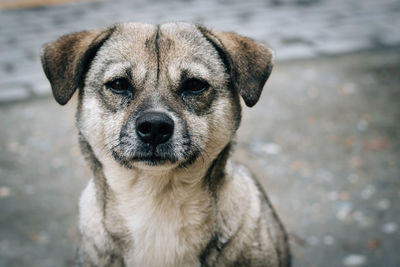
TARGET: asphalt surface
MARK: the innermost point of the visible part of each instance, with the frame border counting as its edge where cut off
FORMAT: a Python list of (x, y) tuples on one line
[(324, 141)]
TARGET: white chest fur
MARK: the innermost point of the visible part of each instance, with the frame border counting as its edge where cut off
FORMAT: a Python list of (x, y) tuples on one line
[(169, 218)]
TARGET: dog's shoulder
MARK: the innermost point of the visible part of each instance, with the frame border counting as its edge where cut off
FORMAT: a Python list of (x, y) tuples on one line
[(248, 222)]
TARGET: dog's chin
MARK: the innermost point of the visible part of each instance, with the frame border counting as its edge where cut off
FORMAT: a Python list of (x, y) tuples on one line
[(146, 162), (155, 162)]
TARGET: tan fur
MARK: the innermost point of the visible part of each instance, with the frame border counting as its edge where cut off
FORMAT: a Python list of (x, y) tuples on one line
[(194, 208)]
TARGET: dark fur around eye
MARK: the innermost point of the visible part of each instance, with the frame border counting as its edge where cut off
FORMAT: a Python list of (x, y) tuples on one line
[(193, 86), (119, 86)]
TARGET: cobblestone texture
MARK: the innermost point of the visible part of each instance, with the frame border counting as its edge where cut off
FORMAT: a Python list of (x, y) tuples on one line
[(294, 28)]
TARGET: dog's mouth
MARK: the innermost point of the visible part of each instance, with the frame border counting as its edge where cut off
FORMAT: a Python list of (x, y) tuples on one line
[(163, 155), (148, 156), (153, 158)]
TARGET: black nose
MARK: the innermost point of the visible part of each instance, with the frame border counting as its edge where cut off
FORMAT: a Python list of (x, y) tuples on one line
[(154, 128)]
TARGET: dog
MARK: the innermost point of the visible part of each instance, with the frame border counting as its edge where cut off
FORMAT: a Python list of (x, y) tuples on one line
[(158, 109)]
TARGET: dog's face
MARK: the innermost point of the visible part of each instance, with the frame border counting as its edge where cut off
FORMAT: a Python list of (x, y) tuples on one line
[(160, 96)]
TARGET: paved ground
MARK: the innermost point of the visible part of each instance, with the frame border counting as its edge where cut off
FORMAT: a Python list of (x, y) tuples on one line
[(295, 28), (10, 4), (324, 138)]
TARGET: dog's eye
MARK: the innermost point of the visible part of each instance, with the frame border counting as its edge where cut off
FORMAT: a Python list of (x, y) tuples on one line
[(119, 86), (194, 86)]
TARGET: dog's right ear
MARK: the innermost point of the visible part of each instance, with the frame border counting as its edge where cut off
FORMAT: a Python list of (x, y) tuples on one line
[(66, 61)]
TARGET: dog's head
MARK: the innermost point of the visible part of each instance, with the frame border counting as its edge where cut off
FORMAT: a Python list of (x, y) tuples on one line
[(157, 95)]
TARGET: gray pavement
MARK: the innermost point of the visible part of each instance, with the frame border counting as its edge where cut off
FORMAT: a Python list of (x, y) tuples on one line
[(324, 138), (294, 28), (324, 141)]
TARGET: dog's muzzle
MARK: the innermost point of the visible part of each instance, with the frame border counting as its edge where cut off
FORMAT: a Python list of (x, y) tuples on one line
[(154, 138), (154, 128)]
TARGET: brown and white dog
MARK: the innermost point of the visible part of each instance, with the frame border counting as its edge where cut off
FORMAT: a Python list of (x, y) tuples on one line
[(158, 109)]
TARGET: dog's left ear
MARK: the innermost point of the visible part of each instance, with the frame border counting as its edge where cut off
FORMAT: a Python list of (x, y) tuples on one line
[(66, 61), (249, 62)]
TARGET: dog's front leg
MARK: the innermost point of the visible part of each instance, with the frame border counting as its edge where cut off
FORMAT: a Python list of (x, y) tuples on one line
[(89, 254), (96, 246)]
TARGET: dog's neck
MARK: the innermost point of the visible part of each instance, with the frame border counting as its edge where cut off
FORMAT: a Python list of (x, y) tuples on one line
[(159, 207)]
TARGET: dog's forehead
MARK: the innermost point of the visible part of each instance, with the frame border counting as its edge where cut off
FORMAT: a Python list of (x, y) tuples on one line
[(183, 40), (168, 48), (136, 28), (138, 38), (182, 33), (184, 48), (134, 38)]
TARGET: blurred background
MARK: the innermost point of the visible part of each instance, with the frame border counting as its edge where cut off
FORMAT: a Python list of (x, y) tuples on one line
[(323, 139)]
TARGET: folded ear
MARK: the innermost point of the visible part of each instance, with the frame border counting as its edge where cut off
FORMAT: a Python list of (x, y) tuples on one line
[(249, 62), (66, 61)]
